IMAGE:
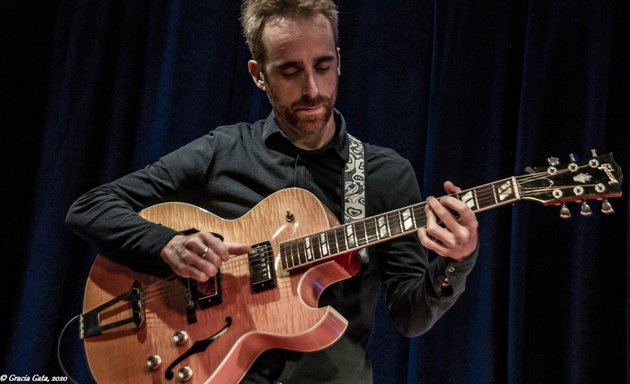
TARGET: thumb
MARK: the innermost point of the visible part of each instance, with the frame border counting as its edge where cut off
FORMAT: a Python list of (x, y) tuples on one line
[(450, 188)]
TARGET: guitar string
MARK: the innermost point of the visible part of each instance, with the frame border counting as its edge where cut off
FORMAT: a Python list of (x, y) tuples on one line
[(484, 196), (175, 288)]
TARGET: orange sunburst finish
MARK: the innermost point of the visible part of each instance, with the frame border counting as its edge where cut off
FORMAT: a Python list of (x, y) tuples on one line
[(282, 317)]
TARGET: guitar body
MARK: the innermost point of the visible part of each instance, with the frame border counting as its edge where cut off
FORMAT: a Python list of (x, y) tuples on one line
[(245, 323)]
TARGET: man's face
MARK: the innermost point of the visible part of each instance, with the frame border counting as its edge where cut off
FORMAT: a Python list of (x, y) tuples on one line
[(300, 76)]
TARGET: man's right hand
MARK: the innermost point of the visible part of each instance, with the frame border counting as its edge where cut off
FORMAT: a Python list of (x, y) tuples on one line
[(200, 255)]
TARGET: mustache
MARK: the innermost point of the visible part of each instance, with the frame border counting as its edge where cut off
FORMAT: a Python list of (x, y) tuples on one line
[(309, 102)]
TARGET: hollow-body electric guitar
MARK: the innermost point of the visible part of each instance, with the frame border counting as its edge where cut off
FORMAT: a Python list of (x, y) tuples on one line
[(138, 328)]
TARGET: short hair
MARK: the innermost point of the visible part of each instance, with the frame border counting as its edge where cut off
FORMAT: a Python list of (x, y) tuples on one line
[(256, 13)]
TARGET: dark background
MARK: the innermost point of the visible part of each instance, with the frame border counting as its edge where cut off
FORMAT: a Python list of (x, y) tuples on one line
[(468, 90)]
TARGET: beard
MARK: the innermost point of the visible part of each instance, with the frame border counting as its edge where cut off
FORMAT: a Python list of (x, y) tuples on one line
[(305, 125)]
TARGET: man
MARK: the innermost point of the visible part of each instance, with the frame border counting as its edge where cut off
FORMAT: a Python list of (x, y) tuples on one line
[(303, 143)]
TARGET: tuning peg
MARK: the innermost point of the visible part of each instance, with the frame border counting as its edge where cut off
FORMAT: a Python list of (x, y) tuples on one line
[(565, 212), (529, 170), (585, 210), (553, 161), (607, 207), (572, 157), (594, 153)]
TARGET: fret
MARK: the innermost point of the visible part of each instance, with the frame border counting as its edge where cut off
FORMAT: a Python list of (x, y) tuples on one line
[(323, 244), (360, 231), (290, 253), (283, 256), (341, 239), (369, 235), (494, 194), (406, 216), (470, 199), (333, 241), (418, 217), (383, 230), (308, 251), (485, 197), (489, 197), (315, 248), (505, 191), (394, 222), (350, 237), (318, 247), (299, 252)]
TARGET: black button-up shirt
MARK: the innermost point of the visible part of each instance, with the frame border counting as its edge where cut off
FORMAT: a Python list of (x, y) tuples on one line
[(231, 169)]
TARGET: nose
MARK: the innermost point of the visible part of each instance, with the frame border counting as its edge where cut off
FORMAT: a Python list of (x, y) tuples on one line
[(310, 87)]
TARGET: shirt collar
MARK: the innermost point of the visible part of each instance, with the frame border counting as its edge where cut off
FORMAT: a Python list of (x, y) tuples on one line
[(276, 139)]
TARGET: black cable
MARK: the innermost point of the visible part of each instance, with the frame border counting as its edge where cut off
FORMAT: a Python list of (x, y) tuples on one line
[(63, 369)]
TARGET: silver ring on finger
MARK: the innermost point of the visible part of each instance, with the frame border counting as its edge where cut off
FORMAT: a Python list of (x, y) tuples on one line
[(203, 254)]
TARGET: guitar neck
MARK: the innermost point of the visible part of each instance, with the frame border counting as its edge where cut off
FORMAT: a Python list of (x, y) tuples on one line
[(389, 225)]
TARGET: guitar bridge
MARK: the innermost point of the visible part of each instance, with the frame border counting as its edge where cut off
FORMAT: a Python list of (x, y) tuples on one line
[(261, 268), (128, 304)]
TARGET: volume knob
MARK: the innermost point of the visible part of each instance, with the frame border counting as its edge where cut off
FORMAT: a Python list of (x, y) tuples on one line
[(185, 374)]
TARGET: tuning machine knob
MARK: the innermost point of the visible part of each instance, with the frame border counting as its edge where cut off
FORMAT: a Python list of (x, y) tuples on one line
[(585, 209), (565, 212), (607, 208)]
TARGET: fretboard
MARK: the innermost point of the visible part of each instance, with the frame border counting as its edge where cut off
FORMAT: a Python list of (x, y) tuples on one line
[(389, 225)]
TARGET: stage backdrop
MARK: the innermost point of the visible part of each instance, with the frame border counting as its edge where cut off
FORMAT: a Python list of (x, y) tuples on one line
[(468, 90)]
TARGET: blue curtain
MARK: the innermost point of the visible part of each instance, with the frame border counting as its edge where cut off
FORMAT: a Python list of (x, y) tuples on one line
[(468, 90)]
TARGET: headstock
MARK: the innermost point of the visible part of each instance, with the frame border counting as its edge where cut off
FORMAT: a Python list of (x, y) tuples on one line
[(557, 184)]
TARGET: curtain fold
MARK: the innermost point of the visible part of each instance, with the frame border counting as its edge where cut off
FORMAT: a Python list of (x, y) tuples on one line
[(468, 91)]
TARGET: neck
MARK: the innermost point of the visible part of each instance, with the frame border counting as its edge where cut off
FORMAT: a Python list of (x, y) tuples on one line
[(310, 141)]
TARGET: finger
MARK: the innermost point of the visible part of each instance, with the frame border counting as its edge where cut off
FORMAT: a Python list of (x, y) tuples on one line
[(442, 213), (429, 214), (465, 217), (208, 267), (434, 229), (214, 243), (197, 244), (431, 243), (237, 249), (451, 188), (186, 264), (192, 272)]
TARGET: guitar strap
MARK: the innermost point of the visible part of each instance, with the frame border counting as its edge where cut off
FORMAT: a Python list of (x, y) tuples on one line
[(354, 187), (354, 182)]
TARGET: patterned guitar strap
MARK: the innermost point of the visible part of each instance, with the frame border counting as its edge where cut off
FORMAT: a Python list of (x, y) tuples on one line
[(354, 186)]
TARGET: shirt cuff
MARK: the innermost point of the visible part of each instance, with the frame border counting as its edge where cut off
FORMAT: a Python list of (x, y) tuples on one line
[(452, 274)]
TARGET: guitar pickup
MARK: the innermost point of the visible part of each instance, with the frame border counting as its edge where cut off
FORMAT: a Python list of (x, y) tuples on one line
[(208, 293), (261, 268)]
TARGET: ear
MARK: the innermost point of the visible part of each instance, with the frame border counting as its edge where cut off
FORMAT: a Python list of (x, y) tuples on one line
[(338, 61), (255, 71)]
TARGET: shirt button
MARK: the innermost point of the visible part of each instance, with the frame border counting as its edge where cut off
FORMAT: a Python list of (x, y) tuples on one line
[(450, 269)]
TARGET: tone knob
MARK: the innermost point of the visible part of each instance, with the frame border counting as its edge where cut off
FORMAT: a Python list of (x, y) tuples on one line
[(180, 338), (185, 374), (154, 362)]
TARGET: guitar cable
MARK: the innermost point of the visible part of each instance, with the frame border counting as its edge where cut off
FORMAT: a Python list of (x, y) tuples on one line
[(59, 360)]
